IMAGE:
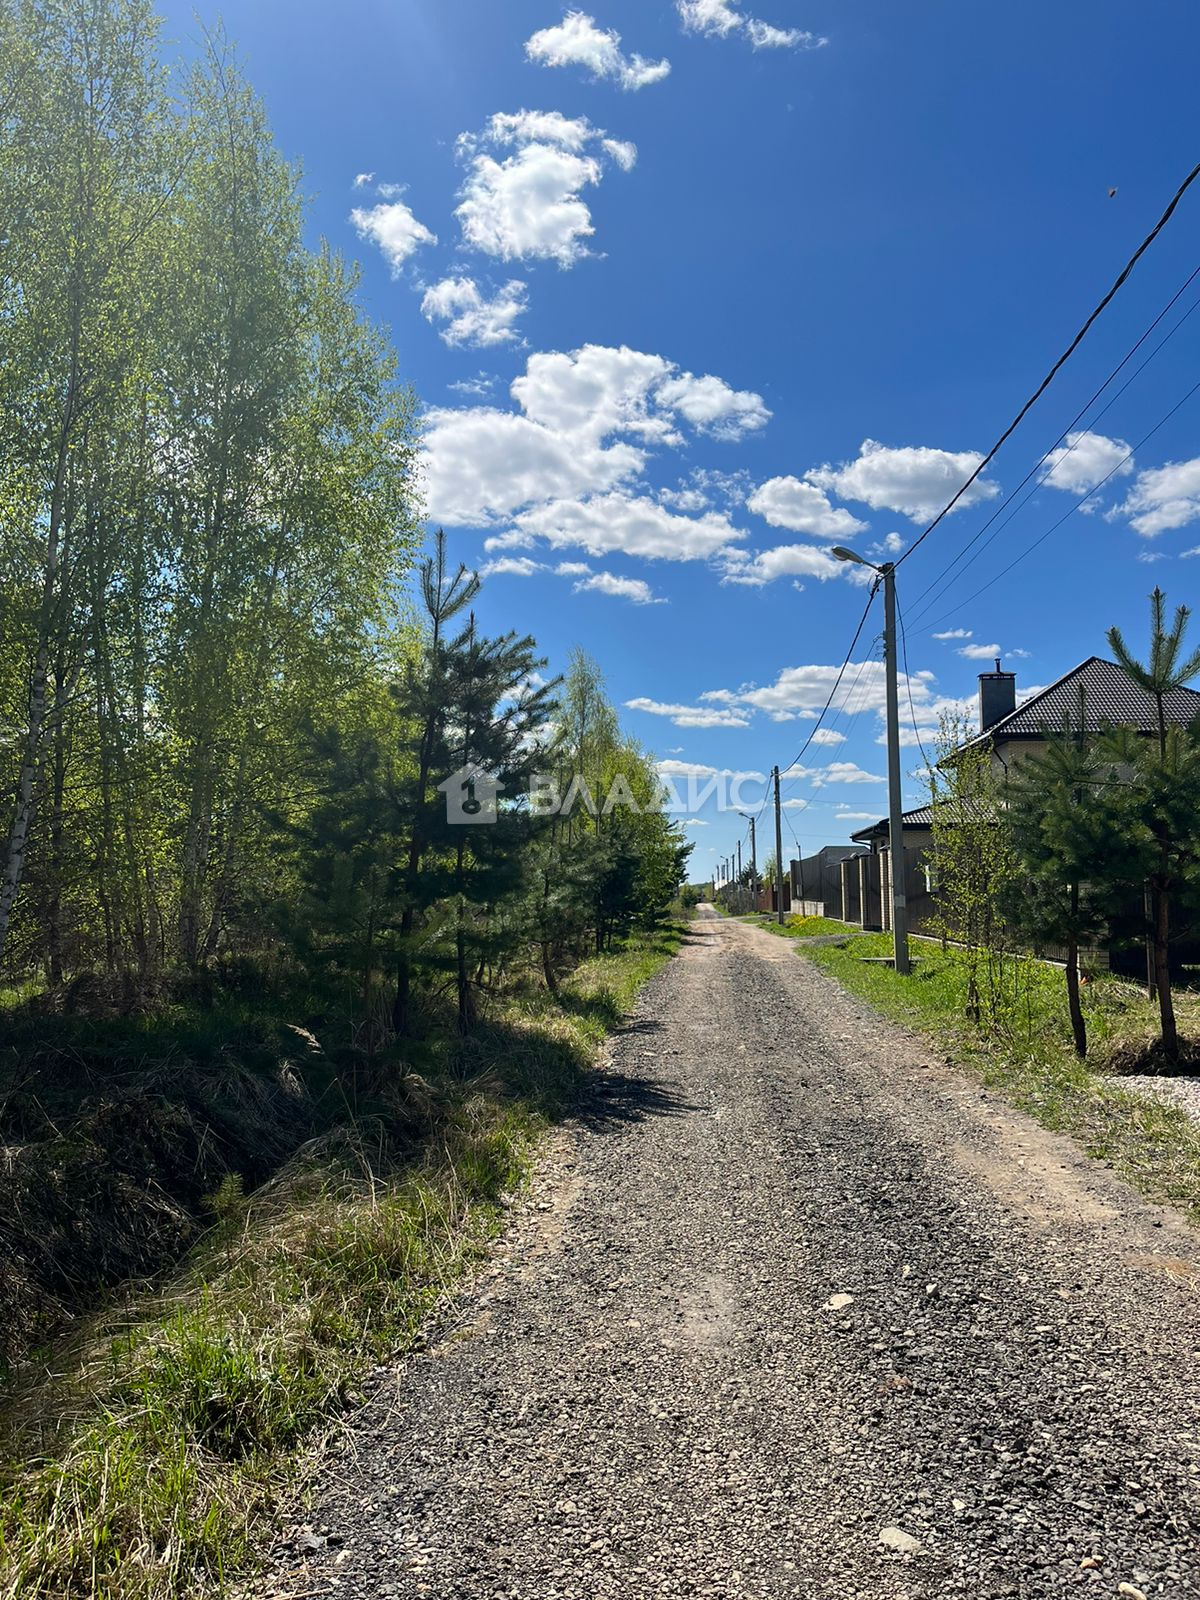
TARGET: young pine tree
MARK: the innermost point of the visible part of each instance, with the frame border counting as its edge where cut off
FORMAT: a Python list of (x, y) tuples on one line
[(1075, 859), (1163, 790)]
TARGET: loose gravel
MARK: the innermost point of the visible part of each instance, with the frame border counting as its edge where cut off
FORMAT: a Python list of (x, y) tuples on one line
[(1183, 1092), (793, 1310)]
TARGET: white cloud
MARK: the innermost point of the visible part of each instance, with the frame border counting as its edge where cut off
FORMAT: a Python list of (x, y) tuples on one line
[(697, 769), (528, 204), (635, 589), (533, 127), (801, 507), (803, 691), (1163, 498), (955, 633), (890, 545), (362, 179), (509, 541), (578, 42), (571, 569), (633, 524), (482, 463), (695, 822), (691, 716), (481, 384), (856, 816), (764, 36), (584, 423), (785, 561), (914, 480), (471, 318), (719, 18), (711, 406), (392, 226), (623, 151), (1084, 460), (828, 736), (980, 652), (844, 772), (512, 567), (606, 389)]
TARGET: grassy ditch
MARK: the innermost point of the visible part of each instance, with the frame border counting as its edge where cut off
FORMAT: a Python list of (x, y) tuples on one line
[(1026, 1054), (156, 1458)]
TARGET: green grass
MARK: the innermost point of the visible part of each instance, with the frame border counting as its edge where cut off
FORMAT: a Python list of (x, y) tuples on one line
[(158, 1461), (800, 927), (1027, 1056)]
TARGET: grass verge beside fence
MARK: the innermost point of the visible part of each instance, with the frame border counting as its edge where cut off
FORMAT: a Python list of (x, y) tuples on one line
[(156, 1461), (1027, 1056)]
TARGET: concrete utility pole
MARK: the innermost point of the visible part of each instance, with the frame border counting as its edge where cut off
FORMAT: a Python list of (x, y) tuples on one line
[(778, 854), (739, 876), (895, 814), (750, 818)]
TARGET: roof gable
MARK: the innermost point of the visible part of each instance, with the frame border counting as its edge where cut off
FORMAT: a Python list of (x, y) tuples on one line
[(1109, 696)]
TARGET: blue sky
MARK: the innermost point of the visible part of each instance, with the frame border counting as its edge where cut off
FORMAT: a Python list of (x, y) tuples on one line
[(688, 305)]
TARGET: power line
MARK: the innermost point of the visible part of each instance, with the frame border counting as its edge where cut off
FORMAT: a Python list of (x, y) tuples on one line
[(1120, 280), (908, 684), (939, 586), (1054, 526)]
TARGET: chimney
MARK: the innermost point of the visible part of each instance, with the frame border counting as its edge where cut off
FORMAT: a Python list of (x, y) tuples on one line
[(997, 696)]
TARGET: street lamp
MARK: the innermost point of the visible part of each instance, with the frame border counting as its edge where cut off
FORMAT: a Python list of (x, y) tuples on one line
[(887, 572)]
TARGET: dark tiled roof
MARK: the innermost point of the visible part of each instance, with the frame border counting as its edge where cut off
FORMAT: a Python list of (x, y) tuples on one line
[(922, 817), (1108, 696)]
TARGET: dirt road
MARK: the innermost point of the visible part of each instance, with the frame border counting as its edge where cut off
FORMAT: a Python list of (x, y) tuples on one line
[(789, 1285)]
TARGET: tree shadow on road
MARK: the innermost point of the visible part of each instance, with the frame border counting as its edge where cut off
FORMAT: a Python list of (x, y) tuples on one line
[(619, 1100)]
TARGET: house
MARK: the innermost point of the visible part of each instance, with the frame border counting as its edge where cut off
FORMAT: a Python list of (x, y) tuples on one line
[(1012, 733)]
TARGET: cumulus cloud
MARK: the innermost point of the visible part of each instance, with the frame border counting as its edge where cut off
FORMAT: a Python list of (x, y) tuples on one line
[(827, 736), (392, 226), (711, 406), (720, 18), (988, 652), (481, 463), (585, 424), (528, 204), (785, 561), (691, 716), (634, 524), (801, 692), (1163, 498), (697, 769), (482, 383), (471, 318), (363, 179), (955, 633), (916, 481), (844, 772), (801, 507), (1085, 460), (611, 583), (577, 41), (512, 567)]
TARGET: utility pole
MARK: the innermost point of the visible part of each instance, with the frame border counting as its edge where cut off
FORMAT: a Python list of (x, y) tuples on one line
[(739, 875), (895, 815), (750, 818), (778, 855)]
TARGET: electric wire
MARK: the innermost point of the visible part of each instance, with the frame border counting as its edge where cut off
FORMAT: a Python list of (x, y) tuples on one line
[(1101, 306), (1054, 526), (929, 596)]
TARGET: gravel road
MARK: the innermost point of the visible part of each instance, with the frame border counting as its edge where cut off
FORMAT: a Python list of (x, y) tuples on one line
[(788, 1285)]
